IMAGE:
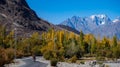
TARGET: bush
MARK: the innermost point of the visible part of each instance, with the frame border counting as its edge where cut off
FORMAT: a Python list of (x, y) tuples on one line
[(73, 59), (62, 59), (47, 55), (20, 54), (106, 65), (2, 57), (36, 50), (10, 55), (53, 62), (82, 62), (100, 58), (6, 56)]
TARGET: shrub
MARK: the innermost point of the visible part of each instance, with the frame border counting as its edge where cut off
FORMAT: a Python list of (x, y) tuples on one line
[(100, 58), (6, 56), (9, 55), (73, 59), (53, 62), (47, 55), (82, 62), (19, 54), (2, 57), (106, 65), (36, 50), (62, 59)]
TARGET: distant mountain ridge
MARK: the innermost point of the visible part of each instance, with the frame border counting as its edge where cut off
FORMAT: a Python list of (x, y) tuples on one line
[(99, 25)]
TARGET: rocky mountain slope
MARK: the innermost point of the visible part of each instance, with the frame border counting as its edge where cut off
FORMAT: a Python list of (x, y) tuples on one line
[(69, 29), (17, 14), (99, 25), (108, 30), (86, 24)]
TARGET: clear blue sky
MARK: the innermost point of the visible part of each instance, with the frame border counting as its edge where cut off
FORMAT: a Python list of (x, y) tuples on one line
[(56, 11)]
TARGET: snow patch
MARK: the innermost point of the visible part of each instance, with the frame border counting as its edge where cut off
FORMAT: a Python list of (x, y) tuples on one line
[(102, 23), (92, 17), (116, 20), (101, 16)]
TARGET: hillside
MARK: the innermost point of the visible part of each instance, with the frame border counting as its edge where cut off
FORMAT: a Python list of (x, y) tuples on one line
[(17, 14), (69, 29)]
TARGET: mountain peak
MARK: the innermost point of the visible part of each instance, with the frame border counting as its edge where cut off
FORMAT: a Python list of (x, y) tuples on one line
[(98, 16), (100, 19), (75, 16), (96, 24), (87, 23)]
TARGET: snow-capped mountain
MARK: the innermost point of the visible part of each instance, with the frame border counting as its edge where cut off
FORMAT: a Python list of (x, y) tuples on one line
[(87, 24), (100, 19), (95, 24)]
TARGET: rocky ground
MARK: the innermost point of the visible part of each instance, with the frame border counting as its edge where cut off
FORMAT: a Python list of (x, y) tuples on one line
[(41, 62), (28, 62), (64, 64)]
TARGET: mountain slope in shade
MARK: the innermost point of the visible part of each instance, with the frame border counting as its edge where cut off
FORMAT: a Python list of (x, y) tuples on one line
[(69, 29), (99, 25), (17, 13)]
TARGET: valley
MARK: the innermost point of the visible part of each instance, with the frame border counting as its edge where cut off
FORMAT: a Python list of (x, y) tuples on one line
[(75, 42)]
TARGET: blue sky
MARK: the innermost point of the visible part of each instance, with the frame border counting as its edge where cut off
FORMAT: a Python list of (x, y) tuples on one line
[(56, 11)]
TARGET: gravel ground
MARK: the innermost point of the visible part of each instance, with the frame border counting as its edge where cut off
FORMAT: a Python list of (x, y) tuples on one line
[(113, 64), (27, 61), (64, 64), (18, 63), (41, 59), (21, 63)]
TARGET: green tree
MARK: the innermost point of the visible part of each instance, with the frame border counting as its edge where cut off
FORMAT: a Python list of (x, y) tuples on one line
[(116, 52), (2, 35), (81, 37), (93, 46), (34, 41), (114, 41)]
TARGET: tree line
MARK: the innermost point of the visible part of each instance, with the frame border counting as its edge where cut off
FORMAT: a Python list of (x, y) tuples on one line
[(57, 45), (63, 44)]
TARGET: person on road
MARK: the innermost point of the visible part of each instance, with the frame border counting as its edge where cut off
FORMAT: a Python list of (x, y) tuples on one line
[(34, 57)]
